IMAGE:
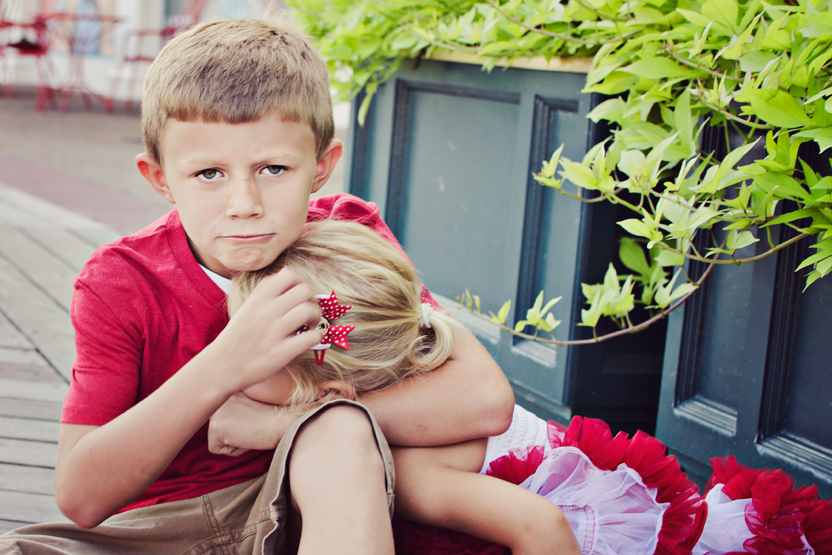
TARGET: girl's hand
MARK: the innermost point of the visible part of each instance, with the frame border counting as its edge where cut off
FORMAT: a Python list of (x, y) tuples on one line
[(243, 424)]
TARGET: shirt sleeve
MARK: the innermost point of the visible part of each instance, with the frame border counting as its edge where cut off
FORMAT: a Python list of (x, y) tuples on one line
[(105, 375), (351, 208)]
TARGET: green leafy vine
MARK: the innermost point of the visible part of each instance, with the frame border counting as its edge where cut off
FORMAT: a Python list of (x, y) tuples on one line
[(756, 73)]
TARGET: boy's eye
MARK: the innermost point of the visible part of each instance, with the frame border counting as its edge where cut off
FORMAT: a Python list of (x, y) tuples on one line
[(274, 169), (209, 174)]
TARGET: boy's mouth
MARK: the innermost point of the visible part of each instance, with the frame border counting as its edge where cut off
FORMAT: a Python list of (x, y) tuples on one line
[(262, 238)]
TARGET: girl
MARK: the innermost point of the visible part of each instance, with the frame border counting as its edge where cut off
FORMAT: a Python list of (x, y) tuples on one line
[(387, 334), (582, 490)]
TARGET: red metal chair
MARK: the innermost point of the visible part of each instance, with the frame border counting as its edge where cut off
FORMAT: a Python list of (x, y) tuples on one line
[(135, 50), (30, 38)]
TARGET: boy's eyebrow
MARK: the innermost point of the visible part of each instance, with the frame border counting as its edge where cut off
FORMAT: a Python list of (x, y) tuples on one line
[(207, 159)]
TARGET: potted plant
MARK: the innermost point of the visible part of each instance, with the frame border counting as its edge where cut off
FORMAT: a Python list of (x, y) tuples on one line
[(717, 156)]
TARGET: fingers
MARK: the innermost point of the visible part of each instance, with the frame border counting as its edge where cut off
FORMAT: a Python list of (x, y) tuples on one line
[(287, 302)]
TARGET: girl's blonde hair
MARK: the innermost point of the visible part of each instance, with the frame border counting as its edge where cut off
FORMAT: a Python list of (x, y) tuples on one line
[(371, 275)]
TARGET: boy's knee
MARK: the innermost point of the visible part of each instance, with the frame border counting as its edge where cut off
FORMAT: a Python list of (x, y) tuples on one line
[(336, 453), (342, 436)]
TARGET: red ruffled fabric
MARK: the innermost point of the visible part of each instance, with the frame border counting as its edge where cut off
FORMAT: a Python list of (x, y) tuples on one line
[(682, 522), (517, 465), (684, 519), (781, 514)]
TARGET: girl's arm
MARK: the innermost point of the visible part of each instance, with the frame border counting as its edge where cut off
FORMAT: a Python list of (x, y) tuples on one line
[(467, 397), (441, 487)]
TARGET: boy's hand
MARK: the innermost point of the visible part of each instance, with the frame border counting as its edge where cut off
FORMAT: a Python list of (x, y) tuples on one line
[(242, 424), (262, 336)]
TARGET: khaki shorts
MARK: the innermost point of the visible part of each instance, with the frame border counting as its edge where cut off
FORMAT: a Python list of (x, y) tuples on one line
[(247, 518)]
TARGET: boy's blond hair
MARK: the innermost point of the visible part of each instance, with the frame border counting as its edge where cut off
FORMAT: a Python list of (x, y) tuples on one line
[(389, 342), (237, 71)]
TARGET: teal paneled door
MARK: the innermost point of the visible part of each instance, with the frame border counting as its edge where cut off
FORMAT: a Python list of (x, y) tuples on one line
[(447, 152)]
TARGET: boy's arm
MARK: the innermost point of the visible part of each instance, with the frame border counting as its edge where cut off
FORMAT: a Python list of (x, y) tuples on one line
[(467, 397), (100, 469), (441, 487)]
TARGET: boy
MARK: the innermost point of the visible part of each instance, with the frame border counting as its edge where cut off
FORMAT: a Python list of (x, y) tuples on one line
[(238, 129)]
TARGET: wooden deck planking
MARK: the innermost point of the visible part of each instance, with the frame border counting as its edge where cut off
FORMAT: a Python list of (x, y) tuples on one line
[(28, 453), (26, 479), (28, 428), (38, 317), (53, 276), (20, 364), (42, 248), (29, 508), (38, 410), (11, 338)]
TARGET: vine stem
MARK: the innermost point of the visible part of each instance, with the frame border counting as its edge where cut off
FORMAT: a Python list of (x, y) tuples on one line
[(700, 67), (595, 338), (731, 116), (738, 261)]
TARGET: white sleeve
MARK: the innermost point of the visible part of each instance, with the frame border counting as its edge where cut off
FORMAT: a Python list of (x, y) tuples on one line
[(526, 430)]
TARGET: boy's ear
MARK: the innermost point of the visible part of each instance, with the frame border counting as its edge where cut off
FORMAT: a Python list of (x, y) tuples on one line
[(326, 163), (152, 171), (336, 388)]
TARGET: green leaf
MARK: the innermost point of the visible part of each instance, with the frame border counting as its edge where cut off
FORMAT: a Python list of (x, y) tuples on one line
[(633, 163), (610, 110), (578, 174), (777, 108), (666, 294), (755, 60), (723, 11), (500, 317), (785, 185), (702, 20), (591, 316), (738, 43), (551, 323), (636, 227), (683, 120), (817, 25), (738, 240), (668, 258), (824, 183), (632, 256), (822, 136), (551, 165), (719, 177), (658, 68)]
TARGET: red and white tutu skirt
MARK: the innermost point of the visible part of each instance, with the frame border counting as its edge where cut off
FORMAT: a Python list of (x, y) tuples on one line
[(759, 511), (621, 495)]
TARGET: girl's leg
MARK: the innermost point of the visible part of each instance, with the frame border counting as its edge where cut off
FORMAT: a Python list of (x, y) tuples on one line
[(441, 486)]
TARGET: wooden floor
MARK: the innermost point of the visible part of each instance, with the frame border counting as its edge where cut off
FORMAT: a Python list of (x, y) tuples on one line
[(42, 248)]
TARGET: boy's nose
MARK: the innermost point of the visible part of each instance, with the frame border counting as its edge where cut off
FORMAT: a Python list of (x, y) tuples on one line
[(244, 200)]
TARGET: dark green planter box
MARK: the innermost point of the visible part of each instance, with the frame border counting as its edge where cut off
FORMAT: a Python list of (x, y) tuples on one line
[(447, 152), (746, 371)]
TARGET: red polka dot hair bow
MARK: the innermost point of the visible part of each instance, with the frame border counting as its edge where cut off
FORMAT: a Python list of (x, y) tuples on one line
[(331, 310)]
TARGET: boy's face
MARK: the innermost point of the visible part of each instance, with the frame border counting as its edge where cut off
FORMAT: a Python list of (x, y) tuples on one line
[(242, 189)]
